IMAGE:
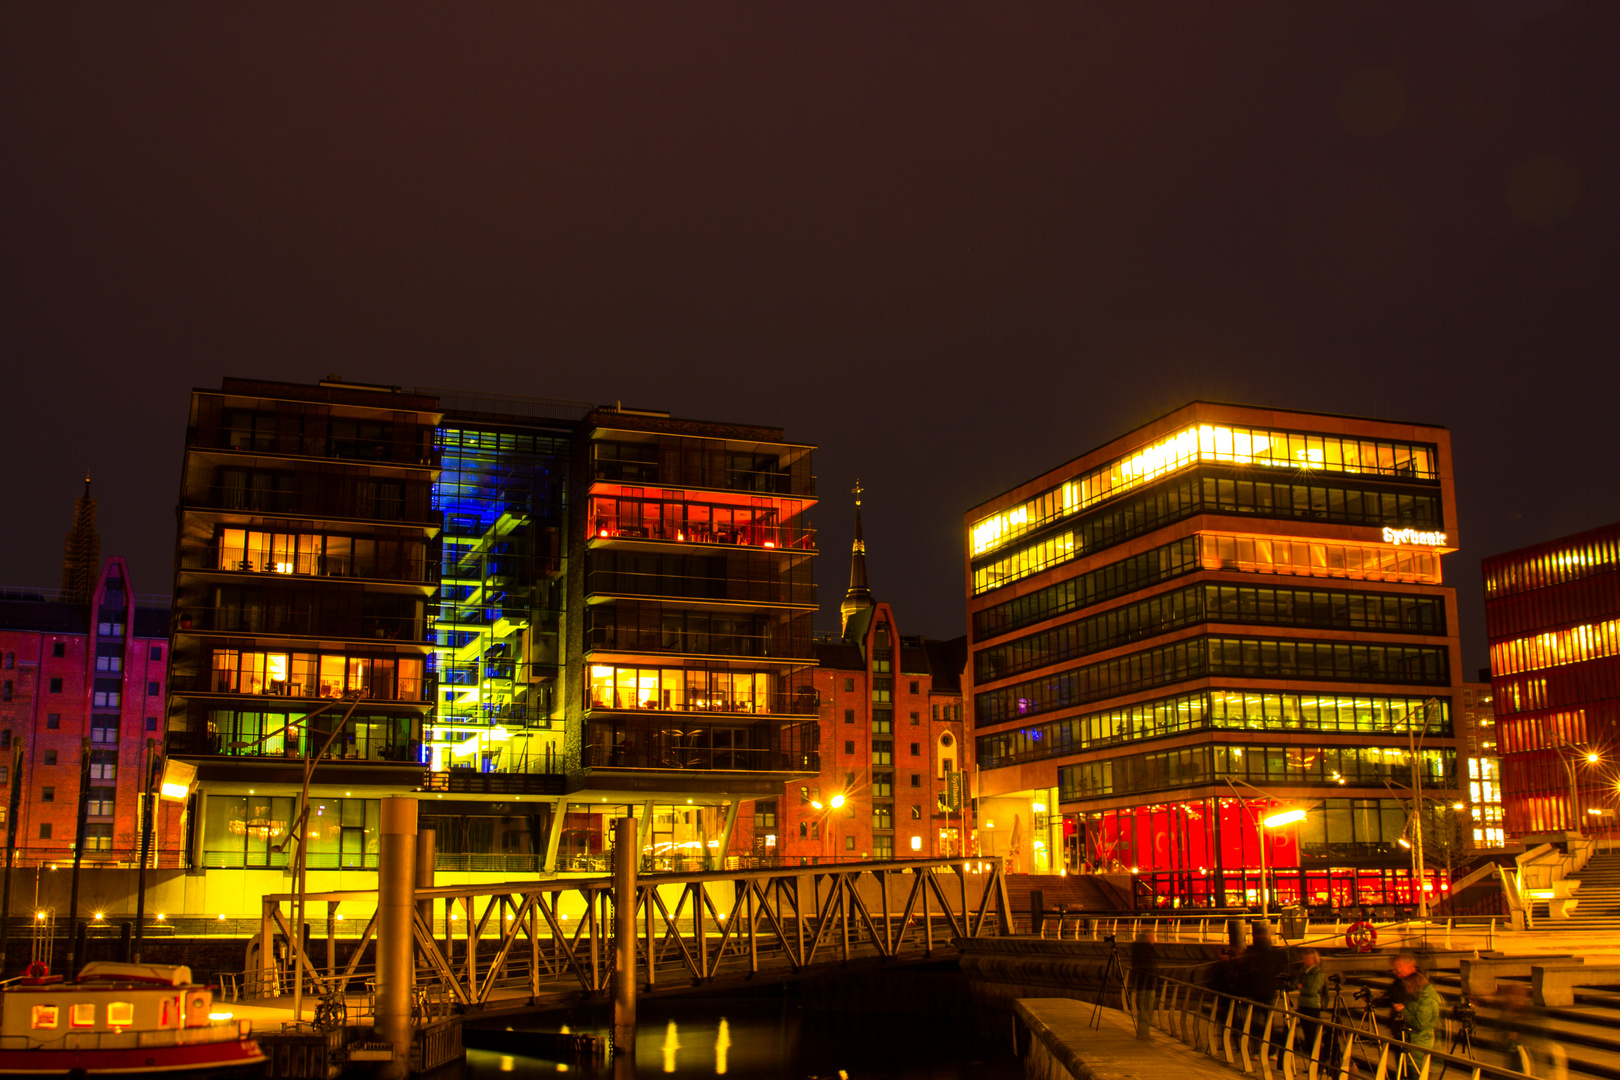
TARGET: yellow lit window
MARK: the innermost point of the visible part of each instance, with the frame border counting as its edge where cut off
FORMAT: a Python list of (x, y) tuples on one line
[(83, 1015), (43, 1016), (120, 1013)]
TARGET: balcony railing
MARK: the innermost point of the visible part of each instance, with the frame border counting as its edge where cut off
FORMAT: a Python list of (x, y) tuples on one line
[(304, 564), (473, 782), (763, 481), (410, 507), (223, 682), (807, 702), (350, 746), (785, 645), (724, 587), (670, 754), (783, 537), (298, 622)]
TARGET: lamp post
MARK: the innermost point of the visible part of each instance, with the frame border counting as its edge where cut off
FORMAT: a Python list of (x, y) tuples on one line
[(1272, 821), (300, 863), (1569, 753), (826, 818)]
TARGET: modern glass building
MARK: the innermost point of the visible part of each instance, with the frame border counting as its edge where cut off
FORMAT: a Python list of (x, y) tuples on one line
[(535, 616), (1552, 614), (1228, 610)]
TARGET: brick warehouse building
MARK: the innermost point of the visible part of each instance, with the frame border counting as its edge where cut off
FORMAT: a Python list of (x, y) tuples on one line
[(891, 737), (76, 675), (1227, 609), (1552, 616)]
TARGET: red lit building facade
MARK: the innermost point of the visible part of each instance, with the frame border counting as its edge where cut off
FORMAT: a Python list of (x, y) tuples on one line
[(1225, 612), (1552, 616), (83, 678)]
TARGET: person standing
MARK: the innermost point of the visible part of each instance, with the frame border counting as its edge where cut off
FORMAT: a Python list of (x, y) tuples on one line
[(1311, 980), (1417, 1005), (1144, 969)]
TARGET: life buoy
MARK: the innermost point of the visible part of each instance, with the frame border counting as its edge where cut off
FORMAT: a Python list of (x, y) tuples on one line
[(38, 970), (1361, 937)]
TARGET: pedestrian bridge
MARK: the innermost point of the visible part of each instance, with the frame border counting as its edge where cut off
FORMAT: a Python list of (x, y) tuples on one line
[(544, 944)]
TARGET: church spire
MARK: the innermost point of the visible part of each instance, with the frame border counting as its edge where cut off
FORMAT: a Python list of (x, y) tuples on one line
[(859, 596), (81, 554)]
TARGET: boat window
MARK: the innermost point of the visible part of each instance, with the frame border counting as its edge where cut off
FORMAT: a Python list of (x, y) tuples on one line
[(44, 1016), (120, 1013), (163, 1018), (83, 1015)]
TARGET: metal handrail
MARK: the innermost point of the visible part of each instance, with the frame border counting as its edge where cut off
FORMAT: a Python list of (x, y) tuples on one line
[(1213, 1021)]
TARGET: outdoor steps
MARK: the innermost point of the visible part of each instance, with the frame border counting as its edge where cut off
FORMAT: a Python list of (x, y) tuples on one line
[(1599, 896), (1589, 1032), (1078, 892)]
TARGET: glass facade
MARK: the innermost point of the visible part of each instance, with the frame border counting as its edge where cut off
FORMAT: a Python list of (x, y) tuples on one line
[(1303, 451), (1214, 492), (246, 831), (1197, 766), (1239, 710), (1266, 658)]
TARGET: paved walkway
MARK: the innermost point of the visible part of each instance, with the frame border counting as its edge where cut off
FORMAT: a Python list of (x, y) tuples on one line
[(1061, 1035)]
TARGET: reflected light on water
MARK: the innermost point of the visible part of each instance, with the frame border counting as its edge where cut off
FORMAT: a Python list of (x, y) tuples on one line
[(508, 1063), (672, 1043), (721, 1045)]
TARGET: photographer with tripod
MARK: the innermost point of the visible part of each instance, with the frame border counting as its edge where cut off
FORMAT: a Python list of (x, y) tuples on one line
[(1311, 980), (1415, 1010)]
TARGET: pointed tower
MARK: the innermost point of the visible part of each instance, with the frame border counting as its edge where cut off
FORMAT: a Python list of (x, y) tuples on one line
[(81, 554), (859, 597)]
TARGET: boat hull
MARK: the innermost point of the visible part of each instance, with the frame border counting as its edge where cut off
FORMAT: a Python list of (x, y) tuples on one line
[(203, 1061)]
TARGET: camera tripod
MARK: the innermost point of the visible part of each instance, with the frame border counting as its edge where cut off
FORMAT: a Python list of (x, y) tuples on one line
[(1112, 968), (1463, 1038), (1347, 1015)]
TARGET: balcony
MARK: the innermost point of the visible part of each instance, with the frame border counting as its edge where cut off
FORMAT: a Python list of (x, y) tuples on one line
[(302, 564), (637, 743), (473, 782), (763, 537), (319, 496), (286, 621), (720, 586), (351, 746), (782, 645), (310, 693), (807, 702)]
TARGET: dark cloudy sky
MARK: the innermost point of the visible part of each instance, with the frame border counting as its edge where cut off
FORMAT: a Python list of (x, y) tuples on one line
[(953, 244)]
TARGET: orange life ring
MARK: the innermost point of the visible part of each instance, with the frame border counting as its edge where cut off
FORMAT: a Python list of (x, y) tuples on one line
[(38, 970), (1361, 937)]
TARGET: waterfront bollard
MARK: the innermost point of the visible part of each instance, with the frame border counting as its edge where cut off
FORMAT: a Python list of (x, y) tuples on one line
[(396, 954), (626, 853)]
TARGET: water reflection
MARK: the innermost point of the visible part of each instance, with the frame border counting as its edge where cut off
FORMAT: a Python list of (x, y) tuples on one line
[(770, 1038)]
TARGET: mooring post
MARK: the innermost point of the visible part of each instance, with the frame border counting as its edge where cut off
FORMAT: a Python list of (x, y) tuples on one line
[(396, 958), (626, 853), (426, 856)]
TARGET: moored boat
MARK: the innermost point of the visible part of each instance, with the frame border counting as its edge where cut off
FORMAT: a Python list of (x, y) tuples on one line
[(121, 1020)]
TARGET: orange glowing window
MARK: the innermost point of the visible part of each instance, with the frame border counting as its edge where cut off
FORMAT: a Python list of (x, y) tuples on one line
[(83, 1015), (163, 1014), (120, 1013), (43, 1016)]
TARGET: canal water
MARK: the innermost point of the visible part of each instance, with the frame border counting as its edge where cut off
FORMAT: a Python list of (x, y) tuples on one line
[(771, 1037)]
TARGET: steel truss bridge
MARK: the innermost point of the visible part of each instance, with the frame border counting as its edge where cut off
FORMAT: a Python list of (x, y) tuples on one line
[(542, 944)]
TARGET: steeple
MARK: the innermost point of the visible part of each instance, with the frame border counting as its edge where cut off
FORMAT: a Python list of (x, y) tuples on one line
[(81, 554), (859, 597)]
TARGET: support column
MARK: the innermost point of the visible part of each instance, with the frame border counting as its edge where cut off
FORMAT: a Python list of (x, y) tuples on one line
[(396, 959), (559, 810), (426, 856), (719, 859), (626, 854)]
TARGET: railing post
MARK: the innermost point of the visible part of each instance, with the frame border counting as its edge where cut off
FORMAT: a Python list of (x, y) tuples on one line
[(396, 954)]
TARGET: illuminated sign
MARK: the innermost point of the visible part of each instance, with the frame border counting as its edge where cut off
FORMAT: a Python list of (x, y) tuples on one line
[(1412, 536)]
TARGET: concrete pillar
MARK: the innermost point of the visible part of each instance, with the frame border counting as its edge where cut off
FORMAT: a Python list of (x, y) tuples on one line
[(396, 959), (559, 810), (626, 854), (426, 855)]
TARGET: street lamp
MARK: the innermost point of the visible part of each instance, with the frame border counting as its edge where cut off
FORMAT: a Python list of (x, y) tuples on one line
[(833, 803), (1569, 753), (1272, 821)]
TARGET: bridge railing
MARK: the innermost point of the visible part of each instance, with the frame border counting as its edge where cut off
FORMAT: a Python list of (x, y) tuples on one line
[(1247, 1035), (485, 945)]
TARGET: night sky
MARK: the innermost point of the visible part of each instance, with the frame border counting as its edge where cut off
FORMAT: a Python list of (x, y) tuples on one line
[(952, 244)]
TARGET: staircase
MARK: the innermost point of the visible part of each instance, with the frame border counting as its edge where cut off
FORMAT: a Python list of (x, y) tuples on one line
[(1077, 892), (1599, 894)]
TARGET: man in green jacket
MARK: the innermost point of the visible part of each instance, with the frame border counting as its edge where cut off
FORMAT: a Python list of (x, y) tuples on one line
[(1311, 980), (1419, 1010)]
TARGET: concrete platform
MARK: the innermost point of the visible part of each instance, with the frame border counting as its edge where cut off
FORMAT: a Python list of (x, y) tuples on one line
[(1061, 1044)]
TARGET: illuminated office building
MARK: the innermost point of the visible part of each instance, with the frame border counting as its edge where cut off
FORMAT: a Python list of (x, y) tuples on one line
[(1552, 615), (1226, 611), (1483, 798), (536, 616)]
